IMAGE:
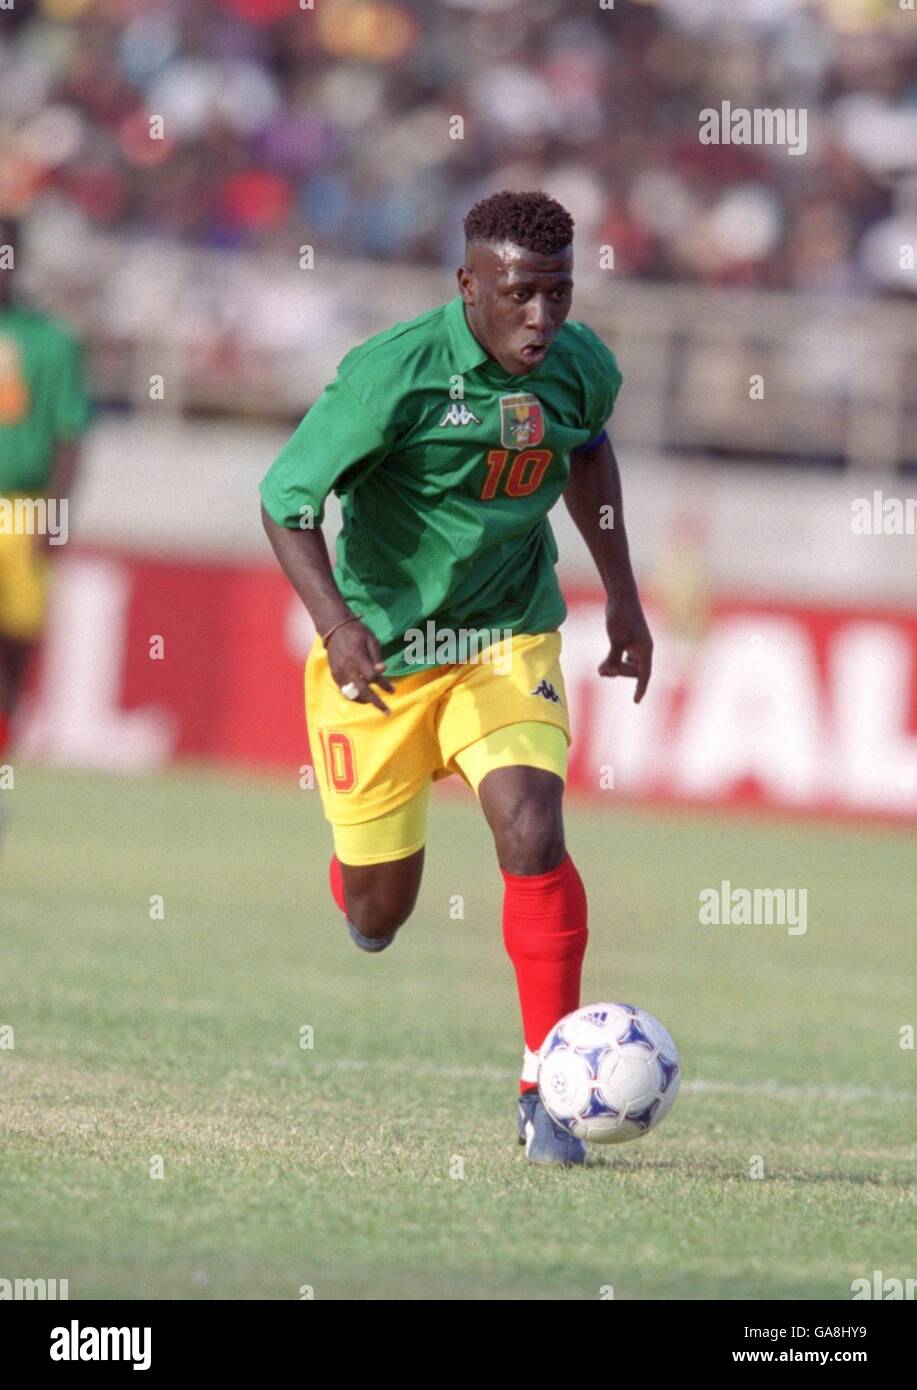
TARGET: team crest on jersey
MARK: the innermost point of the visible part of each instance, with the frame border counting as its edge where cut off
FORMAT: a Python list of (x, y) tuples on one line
[(521, 421), (459, 414)]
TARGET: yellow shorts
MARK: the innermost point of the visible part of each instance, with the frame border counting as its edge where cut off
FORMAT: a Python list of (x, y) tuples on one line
[(23, 586), (374, 771)]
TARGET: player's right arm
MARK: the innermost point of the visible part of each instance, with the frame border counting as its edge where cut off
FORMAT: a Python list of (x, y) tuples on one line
[(338, 443), (353, 651)]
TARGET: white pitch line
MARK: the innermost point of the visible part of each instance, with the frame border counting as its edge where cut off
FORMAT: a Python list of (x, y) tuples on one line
[(772, 1090), (848, 1094)]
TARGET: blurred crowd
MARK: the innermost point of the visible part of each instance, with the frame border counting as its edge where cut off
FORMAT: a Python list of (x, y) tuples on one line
[(270, 124)]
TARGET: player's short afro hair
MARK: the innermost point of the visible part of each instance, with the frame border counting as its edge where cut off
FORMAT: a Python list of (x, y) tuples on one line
[(532, 220)]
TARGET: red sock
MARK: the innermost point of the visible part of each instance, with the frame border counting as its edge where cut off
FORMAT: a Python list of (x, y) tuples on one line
[(4, 731), (336, 880), (545, 934)]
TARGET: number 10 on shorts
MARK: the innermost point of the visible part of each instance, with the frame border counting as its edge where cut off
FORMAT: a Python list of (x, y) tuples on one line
[(340, 764)]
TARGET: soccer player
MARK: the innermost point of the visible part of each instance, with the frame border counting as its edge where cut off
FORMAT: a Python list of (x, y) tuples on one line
[(43, 412), (449, 439)]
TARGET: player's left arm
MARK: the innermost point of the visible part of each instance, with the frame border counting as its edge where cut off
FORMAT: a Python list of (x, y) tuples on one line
[(64, 468), (593, 498), (61, 480), (70, 416)]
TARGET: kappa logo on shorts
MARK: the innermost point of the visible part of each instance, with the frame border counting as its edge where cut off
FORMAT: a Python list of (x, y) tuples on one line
[(547, 691)]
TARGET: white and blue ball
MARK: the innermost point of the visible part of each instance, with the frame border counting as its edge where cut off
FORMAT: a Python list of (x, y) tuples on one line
[(608, 1073)]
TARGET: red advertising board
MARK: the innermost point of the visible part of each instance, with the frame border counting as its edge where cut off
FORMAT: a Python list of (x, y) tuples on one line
[(779, 706)]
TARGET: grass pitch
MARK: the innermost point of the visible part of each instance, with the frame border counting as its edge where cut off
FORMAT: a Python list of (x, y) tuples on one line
[(381, 1163)]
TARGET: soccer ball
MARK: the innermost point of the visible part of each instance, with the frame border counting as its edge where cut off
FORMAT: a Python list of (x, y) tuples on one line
[(608, 1072)]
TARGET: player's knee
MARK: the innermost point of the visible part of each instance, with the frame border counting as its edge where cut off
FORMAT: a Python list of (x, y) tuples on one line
[(380, 911), (379, 921), (530, 837)]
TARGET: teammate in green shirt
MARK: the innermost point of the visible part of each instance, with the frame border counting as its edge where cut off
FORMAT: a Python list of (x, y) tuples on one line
[(449, 438), (44, 409)]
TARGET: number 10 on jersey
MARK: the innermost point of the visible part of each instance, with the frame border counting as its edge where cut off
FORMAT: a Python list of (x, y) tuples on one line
[(525, 475)]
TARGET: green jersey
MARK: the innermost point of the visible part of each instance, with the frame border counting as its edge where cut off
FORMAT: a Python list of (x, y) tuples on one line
[(447, 467), (43, 401)]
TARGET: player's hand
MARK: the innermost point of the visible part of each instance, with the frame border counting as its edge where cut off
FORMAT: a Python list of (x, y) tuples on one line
[(631, 651), (354, 655)]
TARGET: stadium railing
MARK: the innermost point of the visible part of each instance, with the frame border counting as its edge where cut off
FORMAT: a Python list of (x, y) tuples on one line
[(794, 378)]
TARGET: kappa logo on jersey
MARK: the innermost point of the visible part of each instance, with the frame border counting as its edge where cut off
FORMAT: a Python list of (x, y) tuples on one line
[(547, 691), (459, 414), (521, 421)]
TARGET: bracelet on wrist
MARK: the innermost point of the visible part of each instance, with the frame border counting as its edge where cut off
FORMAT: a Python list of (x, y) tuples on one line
[(352, 619)]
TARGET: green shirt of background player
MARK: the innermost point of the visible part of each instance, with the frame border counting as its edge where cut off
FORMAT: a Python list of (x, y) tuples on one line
[(44, 409)]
